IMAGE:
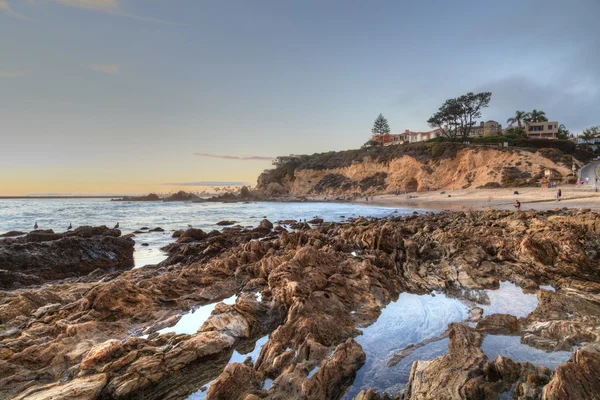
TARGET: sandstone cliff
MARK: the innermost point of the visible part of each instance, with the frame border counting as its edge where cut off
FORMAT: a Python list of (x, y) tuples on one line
[(414, 167)]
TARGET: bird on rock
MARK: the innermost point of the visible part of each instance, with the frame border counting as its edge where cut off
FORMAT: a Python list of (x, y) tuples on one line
[(116, 226), (70, 227)]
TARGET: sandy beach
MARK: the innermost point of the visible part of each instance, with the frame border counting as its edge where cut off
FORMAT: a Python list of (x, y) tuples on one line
[(573, 196)]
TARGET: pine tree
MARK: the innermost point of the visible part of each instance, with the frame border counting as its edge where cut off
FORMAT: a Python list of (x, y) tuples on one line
[(380, 126)]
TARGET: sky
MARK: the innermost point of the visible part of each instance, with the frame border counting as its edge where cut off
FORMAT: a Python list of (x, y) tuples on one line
[(139, 96)]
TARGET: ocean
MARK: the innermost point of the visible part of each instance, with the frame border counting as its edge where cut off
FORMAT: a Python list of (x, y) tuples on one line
[(57, 214)]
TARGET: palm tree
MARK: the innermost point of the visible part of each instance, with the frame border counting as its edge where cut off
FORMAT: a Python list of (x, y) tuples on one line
[(536, 116), (519, 116)]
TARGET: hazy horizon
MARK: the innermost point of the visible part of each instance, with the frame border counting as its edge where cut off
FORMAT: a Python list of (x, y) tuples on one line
[(133, 97)]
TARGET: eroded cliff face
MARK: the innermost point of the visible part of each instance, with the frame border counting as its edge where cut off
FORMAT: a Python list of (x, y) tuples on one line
[(464, 167)]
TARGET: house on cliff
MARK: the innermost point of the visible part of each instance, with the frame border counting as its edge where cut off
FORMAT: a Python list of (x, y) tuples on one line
[(281, 160), (542, 130), (489, 128)]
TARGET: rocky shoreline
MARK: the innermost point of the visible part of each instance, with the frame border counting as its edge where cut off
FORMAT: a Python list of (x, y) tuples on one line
[(312, 290)]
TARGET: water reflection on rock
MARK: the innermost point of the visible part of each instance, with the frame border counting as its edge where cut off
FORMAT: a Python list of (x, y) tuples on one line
[(409, 320), (191, 322), (511, 347), (510, 299)]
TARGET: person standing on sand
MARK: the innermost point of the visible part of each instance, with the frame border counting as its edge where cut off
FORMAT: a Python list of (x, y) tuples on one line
[(517, 204), (559, 195)]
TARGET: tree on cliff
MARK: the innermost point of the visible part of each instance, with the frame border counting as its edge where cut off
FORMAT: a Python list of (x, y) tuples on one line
[(563, 132), (456, 117), (380, 127), (589, 134), (518, 119)]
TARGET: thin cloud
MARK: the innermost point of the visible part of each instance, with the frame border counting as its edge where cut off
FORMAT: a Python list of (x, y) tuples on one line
[(225, 157), (109, 6), (13, 73), (113, 7), (7, 9), (111, 69), (206, 183)]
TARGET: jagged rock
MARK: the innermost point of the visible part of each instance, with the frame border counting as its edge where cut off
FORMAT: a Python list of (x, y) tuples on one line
[(578, 378), (236, 380), (498, 324), (475, 314), (315, 294), (99, 353), (446, 376), (86, 388), (333, 377)]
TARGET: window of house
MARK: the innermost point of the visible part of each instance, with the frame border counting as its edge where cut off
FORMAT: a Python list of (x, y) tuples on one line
[(549, 127)]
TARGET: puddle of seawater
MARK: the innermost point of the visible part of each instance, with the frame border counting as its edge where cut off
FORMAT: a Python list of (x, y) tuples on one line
[(200, 394), (147, 256), (409, 320), (191, 322), (511, 347), (238, 357), (312, 372), (509, 299), (548, 287), (151, 254)]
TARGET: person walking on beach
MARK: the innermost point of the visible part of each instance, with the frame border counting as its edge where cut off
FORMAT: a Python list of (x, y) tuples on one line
[(559, 195), (517, 204)]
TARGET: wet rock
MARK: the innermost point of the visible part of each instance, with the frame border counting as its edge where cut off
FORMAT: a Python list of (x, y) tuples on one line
[(39, 259), (145, 244), (316, 221), (177, 234), (158, 229), (13, 234), (265, 224), (225, 223), (191, 235)]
